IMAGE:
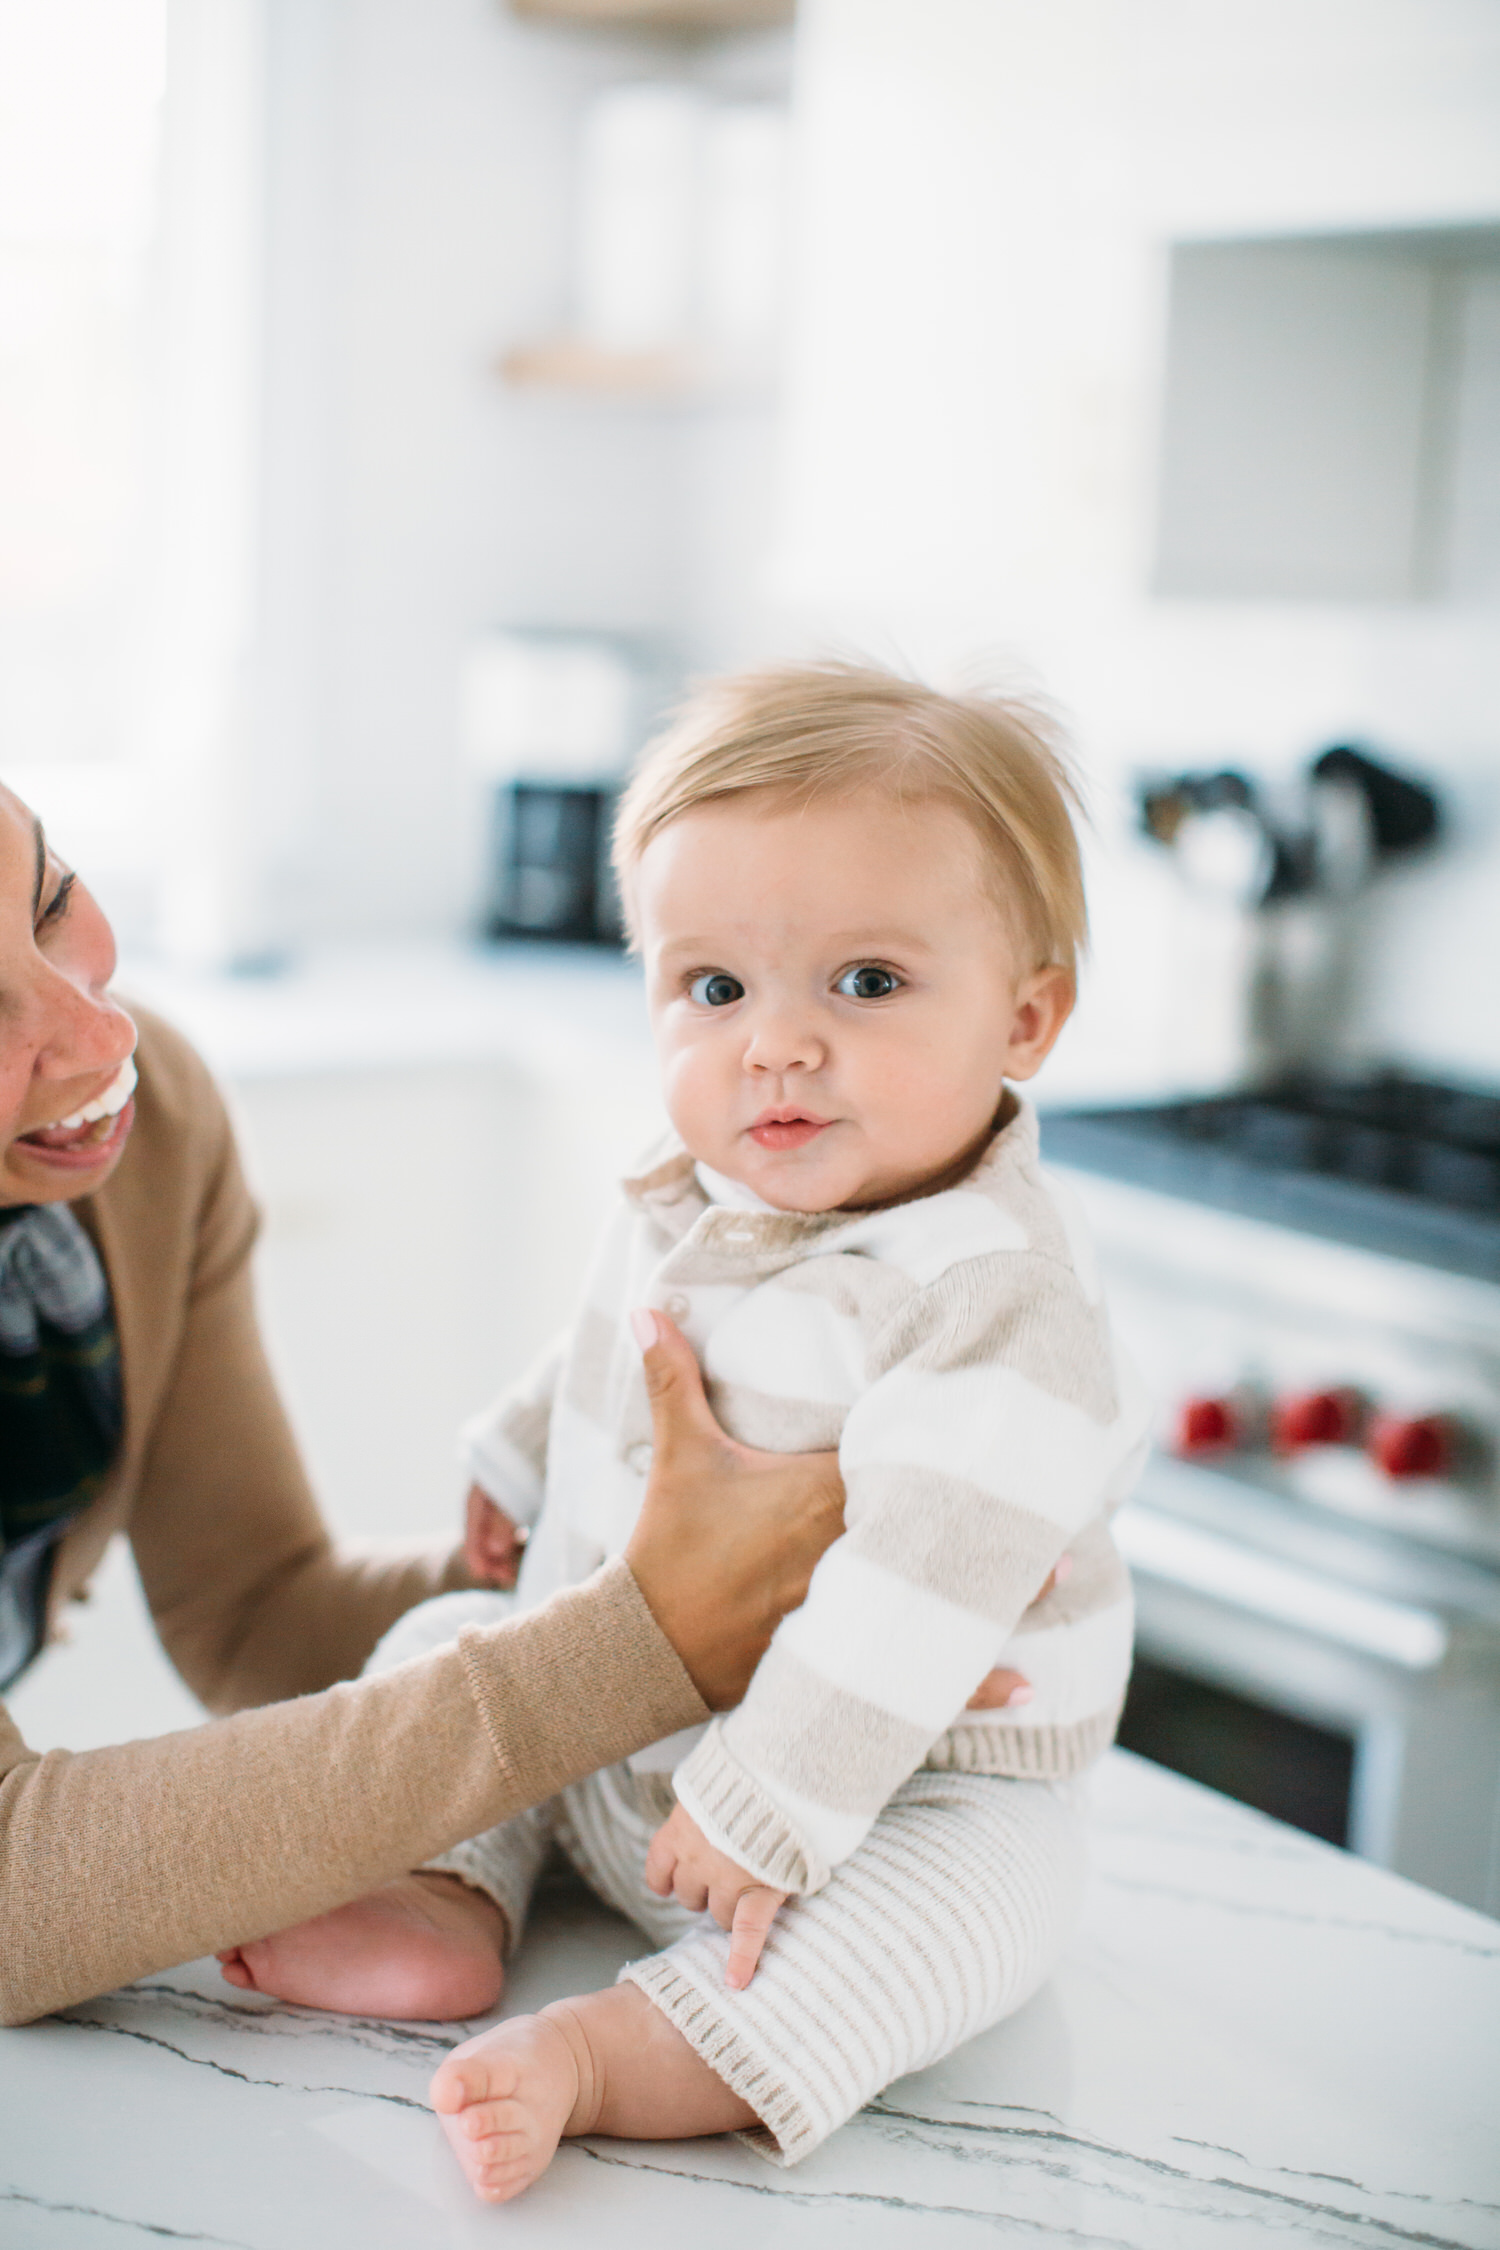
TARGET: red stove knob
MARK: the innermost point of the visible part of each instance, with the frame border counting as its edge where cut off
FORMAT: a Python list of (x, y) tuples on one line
[(1316, 1418), (1207, 1425), (1411, 1446)]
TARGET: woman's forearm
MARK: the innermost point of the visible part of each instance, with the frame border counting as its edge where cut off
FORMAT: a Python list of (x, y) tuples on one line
[(314, 1621), (115, 1863)]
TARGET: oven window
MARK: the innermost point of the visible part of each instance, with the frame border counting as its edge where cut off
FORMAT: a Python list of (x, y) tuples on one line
[(1283, 1766)]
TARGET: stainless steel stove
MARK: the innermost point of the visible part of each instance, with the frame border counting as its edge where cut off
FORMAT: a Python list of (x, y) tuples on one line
[(1310, 1280)]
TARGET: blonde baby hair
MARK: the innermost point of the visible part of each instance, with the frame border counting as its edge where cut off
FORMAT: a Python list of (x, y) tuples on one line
[(817, 730)]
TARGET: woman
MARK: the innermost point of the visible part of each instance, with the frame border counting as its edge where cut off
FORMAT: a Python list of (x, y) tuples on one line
[(134, 1396)]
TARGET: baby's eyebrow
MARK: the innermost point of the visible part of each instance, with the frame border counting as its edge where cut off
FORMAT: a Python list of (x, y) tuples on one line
[(696, 948), (879, 941), (846, 943)]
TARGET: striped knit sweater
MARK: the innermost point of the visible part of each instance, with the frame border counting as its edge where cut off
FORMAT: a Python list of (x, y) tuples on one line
[(956, 1351)]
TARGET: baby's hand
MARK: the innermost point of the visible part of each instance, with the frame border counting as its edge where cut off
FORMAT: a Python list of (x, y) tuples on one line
[(682, 1864), (493, 1545)]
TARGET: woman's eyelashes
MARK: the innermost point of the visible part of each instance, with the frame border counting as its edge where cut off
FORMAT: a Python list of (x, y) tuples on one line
[(715, 988), (867, 980), (56, 907)]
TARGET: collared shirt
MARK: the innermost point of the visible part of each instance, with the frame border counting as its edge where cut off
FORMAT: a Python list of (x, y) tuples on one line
[(956, 1351), (60, 1407)]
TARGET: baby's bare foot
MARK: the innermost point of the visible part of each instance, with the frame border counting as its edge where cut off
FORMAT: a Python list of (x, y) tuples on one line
[(506, 2098), (427, 1946)]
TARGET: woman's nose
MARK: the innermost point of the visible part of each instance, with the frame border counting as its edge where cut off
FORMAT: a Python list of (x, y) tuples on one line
[(86, 1030)]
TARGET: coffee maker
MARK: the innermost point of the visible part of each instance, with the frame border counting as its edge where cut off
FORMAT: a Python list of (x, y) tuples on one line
[(550, 863), (550, 719)]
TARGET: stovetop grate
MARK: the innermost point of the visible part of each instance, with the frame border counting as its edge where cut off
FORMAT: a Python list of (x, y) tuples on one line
[(1401, 1165)]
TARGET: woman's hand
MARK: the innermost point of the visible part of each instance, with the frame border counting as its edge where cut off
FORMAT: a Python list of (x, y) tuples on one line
[(727, 1537)]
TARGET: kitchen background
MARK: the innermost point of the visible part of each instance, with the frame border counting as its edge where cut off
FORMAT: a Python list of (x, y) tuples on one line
[(398, 400)]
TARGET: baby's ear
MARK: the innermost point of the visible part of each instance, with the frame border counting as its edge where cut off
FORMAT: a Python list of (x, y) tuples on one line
[(1044, 1002)]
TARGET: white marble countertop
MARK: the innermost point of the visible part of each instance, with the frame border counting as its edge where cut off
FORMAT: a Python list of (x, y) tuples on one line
[(1254, 2036)]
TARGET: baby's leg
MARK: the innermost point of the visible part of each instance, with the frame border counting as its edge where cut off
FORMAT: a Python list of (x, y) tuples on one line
[(607, 2063), (946, 1919), (432, 1944), (427, 1946)]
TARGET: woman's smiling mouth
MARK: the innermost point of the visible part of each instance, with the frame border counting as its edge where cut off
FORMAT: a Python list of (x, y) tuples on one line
[(787, 1128), (91, 1132)]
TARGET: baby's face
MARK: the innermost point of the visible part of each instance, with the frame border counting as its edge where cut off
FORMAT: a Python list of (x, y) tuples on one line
[(837, 1001)]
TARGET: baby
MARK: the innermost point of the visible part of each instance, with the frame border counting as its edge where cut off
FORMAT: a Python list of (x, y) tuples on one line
[(859, 904)]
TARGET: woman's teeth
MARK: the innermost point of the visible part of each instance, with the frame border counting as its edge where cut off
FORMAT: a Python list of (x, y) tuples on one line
[(108, 1104)]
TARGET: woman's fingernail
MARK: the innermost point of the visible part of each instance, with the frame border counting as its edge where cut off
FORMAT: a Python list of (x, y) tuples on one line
[(1021, 1694), (643, 1325), (1064, 1570)]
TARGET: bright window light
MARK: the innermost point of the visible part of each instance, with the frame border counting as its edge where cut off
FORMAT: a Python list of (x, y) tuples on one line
[(80, 109)]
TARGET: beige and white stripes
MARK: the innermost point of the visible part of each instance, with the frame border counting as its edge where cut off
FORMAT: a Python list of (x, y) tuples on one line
[(949, 1915), (946, 1918), (956, 1351)]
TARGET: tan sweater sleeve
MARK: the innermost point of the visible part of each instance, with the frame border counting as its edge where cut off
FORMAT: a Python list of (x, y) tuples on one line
[(119, 1862), (251, 1598)]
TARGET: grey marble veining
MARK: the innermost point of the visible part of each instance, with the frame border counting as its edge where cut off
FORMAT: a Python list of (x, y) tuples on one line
[(1252, 2036)]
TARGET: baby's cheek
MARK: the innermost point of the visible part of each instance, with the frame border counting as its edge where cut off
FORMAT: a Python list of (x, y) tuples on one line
[(695, 1087)]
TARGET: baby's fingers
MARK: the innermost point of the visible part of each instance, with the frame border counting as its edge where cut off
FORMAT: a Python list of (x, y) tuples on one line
[(661, 1862), (754, 1912)]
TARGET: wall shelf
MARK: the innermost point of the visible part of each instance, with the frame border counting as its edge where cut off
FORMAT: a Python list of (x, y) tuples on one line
[(567, 363), (681, 376), (661, 15)]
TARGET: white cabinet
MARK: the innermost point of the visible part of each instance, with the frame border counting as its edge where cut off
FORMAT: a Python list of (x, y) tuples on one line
[(1322, 400)]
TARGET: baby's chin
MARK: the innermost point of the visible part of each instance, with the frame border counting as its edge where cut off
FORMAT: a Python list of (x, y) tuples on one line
[(808, 1196), (777, 1184)]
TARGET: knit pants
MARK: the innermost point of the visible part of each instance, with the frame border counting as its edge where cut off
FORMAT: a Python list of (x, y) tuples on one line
[(949, 1915)]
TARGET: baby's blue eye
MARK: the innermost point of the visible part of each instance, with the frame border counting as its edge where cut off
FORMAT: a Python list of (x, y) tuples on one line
[(867, 982), (715, 989)]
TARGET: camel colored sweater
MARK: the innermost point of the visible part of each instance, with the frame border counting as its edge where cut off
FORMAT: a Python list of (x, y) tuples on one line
[(118, 1862)]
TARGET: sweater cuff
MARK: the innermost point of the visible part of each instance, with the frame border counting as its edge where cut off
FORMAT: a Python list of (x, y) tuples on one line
[(740, 1819), (502, 1470), (577, 1684)]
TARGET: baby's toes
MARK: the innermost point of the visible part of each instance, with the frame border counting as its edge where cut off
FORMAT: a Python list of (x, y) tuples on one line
[(492, 2121), (493, 2155), (469, 2079), (505, 2176), (482, 2128)]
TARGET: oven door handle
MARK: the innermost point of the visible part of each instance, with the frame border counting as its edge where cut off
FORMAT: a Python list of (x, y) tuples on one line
[(1181, 1554)]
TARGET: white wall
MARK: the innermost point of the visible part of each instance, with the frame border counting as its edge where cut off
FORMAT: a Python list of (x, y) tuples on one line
[(421, 166), (965, 468), (991, 187)]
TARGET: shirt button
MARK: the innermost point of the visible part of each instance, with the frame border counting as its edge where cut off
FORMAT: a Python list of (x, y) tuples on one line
[(677, 1308), (638, 1456)]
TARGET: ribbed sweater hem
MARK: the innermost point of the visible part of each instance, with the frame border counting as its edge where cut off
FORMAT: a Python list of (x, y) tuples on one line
[(786, 2131), (1048, 1753), (740, 1818)]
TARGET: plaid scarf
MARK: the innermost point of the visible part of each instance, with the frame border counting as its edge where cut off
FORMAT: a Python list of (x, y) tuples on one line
[(61, 1408)]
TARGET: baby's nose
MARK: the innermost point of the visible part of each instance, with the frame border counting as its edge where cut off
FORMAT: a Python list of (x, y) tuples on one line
[(784, 1039)]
